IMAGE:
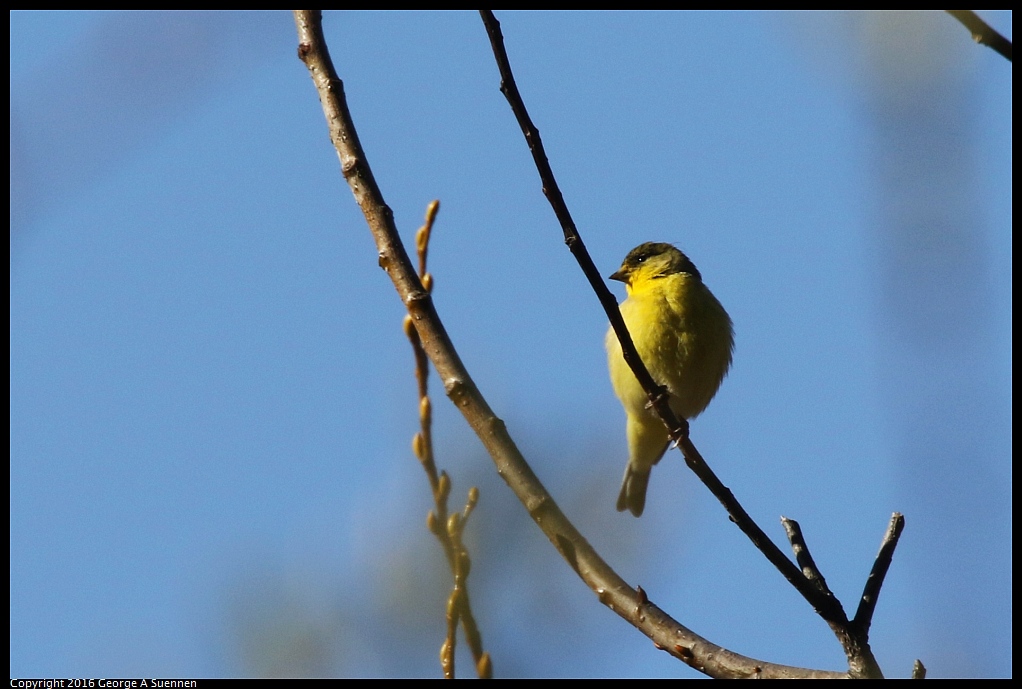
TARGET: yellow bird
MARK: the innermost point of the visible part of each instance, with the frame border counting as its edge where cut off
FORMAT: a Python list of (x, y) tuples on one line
[(685, 338)]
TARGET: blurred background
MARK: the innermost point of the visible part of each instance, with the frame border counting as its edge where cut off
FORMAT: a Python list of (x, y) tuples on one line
[(212, 400)]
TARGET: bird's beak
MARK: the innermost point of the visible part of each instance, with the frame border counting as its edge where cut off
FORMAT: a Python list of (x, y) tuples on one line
[(621, 276)]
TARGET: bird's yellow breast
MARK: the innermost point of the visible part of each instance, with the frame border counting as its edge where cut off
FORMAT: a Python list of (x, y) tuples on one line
[(684, 337)]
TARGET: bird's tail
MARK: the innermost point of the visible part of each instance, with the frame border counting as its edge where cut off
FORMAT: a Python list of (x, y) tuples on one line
[(633, 490)]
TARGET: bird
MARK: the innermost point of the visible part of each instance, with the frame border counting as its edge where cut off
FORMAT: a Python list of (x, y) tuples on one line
[(684, 337)]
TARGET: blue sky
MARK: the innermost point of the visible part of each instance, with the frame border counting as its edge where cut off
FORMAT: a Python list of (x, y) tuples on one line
[(212, 400)]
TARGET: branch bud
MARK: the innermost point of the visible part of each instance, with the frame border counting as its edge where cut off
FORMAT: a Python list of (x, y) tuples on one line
[(443, 486), (409, 327), (484, 668), (453, 522), (425, 411), (431, 210)]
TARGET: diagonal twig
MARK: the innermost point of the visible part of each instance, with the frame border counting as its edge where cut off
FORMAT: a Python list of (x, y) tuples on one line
[(448, 530), (983, 33), (803, 557), (871, 591)]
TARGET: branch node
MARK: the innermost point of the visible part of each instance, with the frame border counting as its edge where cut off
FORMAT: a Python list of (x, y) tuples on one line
[(349, 166)]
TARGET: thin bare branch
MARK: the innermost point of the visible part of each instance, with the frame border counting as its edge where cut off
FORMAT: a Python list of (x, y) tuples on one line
[(613, 591), (860, 658), (854, 640), (571, 236), (871, 591), (982, 32), (658, 396), (804, 558), (459, 607)]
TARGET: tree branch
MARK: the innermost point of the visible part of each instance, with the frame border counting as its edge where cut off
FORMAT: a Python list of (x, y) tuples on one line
[(667, 634), (871, 591), (853, 638), (982, 32), (448, 530), (803, 557), (659, 399), (861, 661)]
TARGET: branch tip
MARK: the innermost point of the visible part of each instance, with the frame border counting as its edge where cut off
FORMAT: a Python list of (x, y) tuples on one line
[(871, 590), (983, 33)]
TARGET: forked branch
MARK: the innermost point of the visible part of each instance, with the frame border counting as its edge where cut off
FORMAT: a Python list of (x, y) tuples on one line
[(853, 639)]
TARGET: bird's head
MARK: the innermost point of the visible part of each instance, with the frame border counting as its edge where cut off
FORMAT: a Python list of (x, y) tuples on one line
[(651, 261)]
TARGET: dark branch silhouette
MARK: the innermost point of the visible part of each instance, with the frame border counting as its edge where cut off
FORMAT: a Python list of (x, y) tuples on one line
[(854, 639), (871, 591), (982, 32)]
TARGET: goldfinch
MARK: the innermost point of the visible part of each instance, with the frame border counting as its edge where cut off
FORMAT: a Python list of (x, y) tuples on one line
[(685, 338)]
